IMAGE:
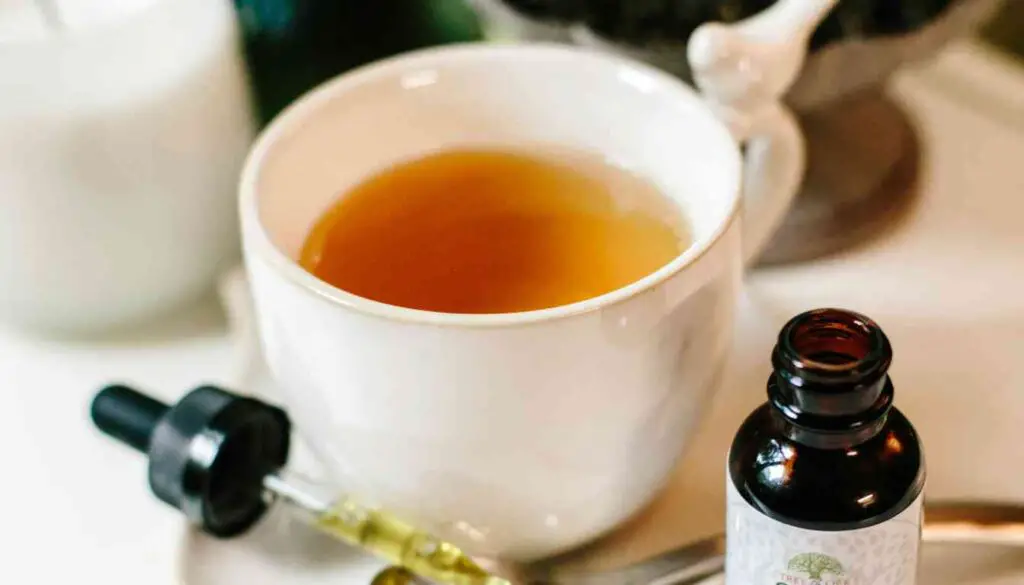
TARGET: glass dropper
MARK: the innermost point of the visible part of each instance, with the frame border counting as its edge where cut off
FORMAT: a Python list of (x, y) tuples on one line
[(381, 534), (218, 456)]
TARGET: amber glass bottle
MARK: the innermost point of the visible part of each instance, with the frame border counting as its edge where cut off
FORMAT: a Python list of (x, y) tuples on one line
[(825, 480)]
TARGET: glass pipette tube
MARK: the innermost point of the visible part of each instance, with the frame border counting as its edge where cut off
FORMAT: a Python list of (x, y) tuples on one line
[(379, 533)]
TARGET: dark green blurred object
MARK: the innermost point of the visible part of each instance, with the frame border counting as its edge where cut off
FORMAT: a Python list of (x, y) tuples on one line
[(292, 46)]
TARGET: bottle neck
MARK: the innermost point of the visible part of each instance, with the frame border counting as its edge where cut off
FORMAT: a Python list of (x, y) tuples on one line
[(830, 386), (808, 394)]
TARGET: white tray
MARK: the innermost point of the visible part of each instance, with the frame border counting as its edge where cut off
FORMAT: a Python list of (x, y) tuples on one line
[(282, 551), (945, 286), (279, 553)]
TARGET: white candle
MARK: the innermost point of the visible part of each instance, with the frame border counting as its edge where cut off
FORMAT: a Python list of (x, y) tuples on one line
[(122, 130)]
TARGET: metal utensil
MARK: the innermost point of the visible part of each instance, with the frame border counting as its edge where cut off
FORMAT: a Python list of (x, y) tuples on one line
[(953, 522), (1000, 524), (982, 523)]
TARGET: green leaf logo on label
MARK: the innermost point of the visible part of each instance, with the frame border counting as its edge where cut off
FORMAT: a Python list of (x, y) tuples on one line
[(815, 565)]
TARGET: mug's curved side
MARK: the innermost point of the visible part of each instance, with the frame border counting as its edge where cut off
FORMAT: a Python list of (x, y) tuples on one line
[(743, 70), (513, 435), (515, 442)]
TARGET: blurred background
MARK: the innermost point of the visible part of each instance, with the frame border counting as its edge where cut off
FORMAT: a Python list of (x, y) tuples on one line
[(864, 150), (127, 121), (124, 125), (293, 44)]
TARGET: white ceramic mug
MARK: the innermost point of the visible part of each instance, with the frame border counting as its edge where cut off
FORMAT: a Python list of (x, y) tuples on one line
[(517, 435)]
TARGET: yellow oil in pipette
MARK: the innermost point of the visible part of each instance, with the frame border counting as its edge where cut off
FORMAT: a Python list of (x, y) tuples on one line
[(225, 471), (383, 535), (401, 544)]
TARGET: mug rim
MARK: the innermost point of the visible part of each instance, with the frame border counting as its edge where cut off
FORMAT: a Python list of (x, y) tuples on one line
[(257, 240)]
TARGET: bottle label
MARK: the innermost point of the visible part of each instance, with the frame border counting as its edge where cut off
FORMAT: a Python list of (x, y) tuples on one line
[(764, 551)]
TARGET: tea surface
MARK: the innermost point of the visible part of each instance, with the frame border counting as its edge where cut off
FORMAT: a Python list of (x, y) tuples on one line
[(494, 231)]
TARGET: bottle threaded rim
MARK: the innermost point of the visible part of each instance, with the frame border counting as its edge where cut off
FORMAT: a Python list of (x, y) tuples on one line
[(831, 347)]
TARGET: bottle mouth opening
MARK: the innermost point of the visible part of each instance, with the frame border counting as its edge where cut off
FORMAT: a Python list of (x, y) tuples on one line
[(833, 343)]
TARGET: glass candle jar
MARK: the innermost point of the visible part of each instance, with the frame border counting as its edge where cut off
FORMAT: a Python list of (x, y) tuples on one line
[(123, 126)]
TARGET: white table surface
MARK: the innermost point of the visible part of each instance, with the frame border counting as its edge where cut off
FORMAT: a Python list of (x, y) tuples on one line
[(946, 286)]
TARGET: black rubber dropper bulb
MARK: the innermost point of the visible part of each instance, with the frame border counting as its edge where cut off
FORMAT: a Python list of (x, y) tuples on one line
[(127, 415), (217, 457), (208, 454)]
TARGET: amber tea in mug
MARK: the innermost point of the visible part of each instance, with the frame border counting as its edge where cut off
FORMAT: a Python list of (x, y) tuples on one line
[(495, 231), (408, 408)]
